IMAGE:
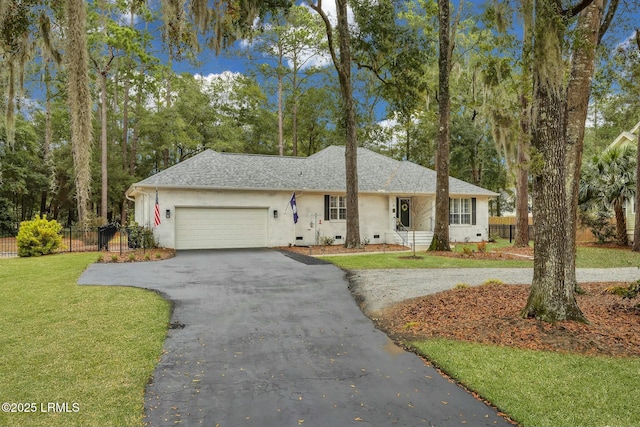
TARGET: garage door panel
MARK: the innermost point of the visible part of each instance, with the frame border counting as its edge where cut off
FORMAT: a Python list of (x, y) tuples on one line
[(213, 228)]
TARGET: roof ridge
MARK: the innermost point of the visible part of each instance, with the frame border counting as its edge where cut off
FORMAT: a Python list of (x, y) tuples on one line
[(277, 156)]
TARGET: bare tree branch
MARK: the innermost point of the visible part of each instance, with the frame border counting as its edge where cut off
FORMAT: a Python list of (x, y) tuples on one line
[(454, 29), (332, 50), (570, 13), (611, 11)]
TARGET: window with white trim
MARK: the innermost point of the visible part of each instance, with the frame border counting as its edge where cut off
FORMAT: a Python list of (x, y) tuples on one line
[(460, 211), (337, 207)]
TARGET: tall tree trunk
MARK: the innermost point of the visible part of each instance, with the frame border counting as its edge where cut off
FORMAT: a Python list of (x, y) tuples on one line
[(280, 101), (125, 141), (136, 132), (524, 139), (636, 230), (351, 147), (280, 118), (294, 116), (79, 102), (441, 233), (103, 144), (125, 122), (621, 223), (578, 92), (48, 137), (551, 299), (342, 63)]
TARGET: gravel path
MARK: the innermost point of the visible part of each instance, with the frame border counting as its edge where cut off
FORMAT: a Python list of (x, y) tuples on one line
[(376, 289)]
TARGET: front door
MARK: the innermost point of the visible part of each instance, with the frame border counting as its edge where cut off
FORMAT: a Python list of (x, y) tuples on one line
[(404, 212)]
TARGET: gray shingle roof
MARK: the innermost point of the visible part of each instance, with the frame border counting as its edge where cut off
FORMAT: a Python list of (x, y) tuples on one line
[(323, 171)]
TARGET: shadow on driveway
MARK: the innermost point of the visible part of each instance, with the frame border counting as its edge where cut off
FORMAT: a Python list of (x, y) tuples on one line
[(262, 339)]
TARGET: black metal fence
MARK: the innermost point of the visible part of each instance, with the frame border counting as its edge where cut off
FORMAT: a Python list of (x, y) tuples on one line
[(109, 238), (506, 231)]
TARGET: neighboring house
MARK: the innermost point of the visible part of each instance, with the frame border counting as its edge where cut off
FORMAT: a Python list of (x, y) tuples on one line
[(223, 200), (624, 139)]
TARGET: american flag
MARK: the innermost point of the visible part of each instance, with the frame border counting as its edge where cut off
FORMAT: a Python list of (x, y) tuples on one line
[(156, 212)]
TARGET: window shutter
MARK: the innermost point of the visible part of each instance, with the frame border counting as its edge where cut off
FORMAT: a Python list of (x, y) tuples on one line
[(326, 207), (473, 211)]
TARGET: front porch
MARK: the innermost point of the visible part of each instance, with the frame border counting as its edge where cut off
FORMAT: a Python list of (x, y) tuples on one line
[(413, 221), (421, 239)]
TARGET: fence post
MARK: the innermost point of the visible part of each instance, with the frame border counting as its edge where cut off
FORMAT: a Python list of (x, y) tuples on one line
[(510, 232), (70, 238)]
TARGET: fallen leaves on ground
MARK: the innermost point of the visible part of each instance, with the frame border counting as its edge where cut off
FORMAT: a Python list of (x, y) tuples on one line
[(490, 314), (340, 249)]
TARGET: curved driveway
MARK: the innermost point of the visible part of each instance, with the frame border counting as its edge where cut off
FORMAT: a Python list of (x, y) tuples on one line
[(260, 339), (380, 288)]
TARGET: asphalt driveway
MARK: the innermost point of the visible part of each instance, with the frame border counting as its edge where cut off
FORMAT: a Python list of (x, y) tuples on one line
[(261, 339)]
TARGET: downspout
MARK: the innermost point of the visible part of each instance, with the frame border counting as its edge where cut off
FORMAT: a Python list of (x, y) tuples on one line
[(144, 205)]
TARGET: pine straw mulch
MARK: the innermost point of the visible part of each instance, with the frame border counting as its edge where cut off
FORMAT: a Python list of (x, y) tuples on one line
[(137, 255), (340, 249), (490, 314)]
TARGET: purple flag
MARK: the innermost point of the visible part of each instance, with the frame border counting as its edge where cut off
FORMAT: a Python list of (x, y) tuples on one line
[(294, 207)]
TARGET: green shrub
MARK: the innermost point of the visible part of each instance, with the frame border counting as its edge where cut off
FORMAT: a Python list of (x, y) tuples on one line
[(600, 224), (482, 246), (626, 292), (492, 282), (461, 286), (467, 251), (39, 236), (327, 240), (141, 237)]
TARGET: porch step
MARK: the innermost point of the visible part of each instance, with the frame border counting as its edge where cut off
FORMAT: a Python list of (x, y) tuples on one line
[(422, 238)]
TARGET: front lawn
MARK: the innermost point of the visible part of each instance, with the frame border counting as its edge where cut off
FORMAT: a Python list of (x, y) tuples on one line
[(587, 257), (75, 355), (424, 260), (542, 388)]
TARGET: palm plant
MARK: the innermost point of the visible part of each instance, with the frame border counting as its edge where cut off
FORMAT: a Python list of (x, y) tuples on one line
[(607, 181)]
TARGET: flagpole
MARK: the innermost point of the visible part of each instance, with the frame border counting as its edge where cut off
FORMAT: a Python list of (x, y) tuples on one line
[(294, 208)]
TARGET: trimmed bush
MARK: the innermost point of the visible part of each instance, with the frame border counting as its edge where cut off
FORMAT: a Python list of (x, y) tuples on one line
[(39, 236)]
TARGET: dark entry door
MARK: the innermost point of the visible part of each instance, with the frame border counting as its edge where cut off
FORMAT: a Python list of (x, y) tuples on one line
[(404, 209)]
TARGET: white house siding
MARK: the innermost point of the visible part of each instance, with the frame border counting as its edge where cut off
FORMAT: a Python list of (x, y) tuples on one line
[(377, 215), (280, 229), (473, 233), (375, 219)]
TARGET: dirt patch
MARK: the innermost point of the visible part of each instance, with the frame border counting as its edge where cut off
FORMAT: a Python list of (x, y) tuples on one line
[(138, 255), (490, 314), (340, 249)]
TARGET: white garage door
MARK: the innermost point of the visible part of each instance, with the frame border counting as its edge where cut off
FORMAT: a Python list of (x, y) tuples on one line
[(214, 228)]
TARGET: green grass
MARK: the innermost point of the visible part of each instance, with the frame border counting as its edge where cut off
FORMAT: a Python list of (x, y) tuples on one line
[(395, 260), (93, 346), (595, 257), (587, 257), (541, 388)]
